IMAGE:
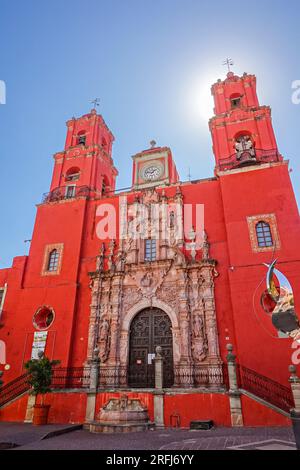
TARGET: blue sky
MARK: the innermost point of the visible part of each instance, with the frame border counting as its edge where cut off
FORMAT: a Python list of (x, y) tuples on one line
[(151, 63)]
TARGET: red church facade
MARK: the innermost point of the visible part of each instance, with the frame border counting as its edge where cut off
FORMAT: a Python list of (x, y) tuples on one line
[(83, 297)]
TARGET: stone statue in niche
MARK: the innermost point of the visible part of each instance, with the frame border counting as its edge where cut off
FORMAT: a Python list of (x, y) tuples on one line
[(104, 336), (197, 326), (205, 247), (243, 145), (199, 346)]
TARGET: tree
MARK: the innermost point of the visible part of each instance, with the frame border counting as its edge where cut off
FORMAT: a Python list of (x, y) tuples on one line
[(40, 375)]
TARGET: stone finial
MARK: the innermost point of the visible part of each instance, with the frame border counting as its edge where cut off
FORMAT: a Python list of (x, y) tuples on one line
[(230, 356), (96, 354), (293, 371)]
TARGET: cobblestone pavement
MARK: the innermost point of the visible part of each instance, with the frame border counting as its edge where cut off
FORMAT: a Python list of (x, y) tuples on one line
[(169, 439)]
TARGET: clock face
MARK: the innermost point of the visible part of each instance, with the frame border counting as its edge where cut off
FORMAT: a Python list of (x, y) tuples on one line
[(152, 172)]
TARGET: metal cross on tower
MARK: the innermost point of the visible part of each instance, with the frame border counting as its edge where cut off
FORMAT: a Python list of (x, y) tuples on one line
[(96, 102), (228, 62)]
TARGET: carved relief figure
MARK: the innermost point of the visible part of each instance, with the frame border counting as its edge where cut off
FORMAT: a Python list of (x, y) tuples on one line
[(199, 346), (205, 247), (104, 340)]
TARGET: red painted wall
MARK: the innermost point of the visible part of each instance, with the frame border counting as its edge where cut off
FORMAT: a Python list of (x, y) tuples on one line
[(15, 411), (255, 414), (67, 407), (193, 407)]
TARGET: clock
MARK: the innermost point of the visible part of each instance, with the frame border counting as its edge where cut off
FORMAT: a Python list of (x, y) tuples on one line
[(152, 171)]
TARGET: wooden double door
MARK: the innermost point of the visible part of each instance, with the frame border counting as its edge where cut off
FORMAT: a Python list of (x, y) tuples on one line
[(149, 329)]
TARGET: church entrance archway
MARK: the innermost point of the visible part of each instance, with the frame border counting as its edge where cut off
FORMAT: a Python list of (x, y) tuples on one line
[(150, 328)]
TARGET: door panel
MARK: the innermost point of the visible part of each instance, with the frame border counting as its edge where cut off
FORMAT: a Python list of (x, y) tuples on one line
[(150, 328)]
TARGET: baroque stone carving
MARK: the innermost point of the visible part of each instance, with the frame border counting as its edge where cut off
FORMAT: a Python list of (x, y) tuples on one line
[(199, 345), (180, 286), (104, 340)]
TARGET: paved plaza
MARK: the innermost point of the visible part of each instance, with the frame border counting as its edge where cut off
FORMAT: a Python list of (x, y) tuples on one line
[(28, 437)]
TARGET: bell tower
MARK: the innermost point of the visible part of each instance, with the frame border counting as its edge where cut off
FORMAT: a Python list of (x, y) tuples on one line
[(86, 161), (242, 130)]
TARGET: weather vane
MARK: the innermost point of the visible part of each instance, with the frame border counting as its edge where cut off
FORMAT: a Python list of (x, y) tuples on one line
[(228, 62), (95, 102), (152, 143)]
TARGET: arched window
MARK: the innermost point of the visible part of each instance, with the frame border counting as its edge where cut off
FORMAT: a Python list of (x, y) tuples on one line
[(53, 260), (73, 174), (244, 146), (235, 100), (264, 234), (81, 138)]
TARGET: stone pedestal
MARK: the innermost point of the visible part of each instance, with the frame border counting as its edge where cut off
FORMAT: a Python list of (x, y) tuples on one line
[(159, 410), (295, 413), (29, 411), (234, 393)]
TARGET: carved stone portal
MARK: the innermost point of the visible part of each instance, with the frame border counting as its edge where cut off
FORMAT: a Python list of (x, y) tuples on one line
[(179, 285)]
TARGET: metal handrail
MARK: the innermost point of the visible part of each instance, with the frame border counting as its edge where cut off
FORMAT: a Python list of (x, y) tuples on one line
[(62, 378), (265, 388), (61, 193), (14, 389), (261, 156)]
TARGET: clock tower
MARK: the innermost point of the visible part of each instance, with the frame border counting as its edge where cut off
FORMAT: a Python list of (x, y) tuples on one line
[(154, 167)]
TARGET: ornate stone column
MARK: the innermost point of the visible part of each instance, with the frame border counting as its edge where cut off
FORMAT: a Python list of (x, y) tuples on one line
[(113, 363), (94, 318), (184, 371)]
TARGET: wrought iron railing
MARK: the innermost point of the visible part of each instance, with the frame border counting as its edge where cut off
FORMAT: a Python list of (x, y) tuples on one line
[(265, 388), (70, 377), (261, 156), (14, 389), (62, 378), (68, 192)]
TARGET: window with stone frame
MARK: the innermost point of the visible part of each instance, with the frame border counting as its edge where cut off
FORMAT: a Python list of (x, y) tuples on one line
[(263, 232), (150, 250), (52, 259)]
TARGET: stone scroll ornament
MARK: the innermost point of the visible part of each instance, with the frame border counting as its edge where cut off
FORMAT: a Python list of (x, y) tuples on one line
[(279, 301)]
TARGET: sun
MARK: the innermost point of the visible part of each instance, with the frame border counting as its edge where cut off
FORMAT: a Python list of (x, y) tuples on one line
[(199, 100)]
